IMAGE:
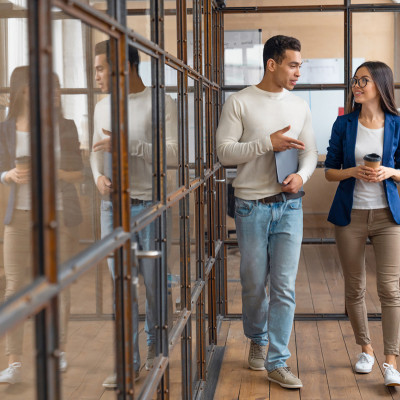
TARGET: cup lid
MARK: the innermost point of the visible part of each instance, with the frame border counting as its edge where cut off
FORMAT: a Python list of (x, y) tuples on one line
[(372, 157)]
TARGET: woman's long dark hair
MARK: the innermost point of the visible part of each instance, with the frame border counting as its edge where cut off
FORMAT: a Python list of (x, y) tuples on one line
[(382, 76), (18, 82)]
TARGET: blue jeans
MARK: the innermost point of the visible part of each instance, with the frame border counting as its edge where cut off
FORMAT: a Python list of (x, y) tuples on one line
[(269, 237), (147, 267)]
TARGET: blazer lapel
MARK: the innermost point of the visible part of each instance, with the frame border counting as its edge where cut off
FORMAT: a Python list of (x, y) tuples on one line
[(351, 137), (387, 139)]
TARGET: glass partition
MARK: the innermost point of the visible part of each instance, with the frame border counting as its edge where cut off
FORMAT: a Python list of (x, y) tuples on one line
[(382, 45), (245, 35)]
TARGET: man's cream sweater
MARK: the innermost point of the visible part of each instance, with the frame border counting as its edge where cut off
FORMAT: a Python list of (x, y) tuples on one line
[(248, 119)]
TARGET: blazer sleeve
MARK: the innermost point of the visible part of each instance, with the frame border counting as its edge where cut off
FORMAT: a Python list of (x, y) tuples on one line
[(335, 156), (5, 162)]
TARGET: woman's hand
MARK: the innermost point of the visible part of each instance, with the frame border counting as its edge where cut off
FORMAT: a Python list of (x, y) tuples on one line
[(363, 173), (18, 176), (382, 173)]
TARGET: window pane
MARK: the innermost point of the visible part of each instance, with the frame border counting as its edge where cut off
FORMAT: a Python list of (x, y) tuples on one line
[(140, 130), (20, 342), (325, 107), (279, 3), (88, 345), (382, 45), (170, 28), (171, 125), (140, 21), (191, 126), (82, 137), (245, 36)]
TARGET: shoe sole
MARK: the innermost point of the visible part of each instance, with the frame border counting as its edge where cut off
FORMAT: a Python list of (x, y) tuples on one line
[(363, 371), (109, 386), (284, 385), (257, 369), (393, 384)]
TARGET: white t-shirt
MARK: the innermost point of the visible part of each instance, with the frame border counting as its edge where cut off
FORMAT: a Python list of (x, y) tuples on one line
[(23, 200), (23, 149), (248, 119), (368, 195)]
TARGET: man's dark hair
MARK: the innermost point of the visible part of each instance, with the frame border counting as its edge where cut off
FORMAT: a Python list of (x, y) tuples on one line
[(104, 48), (276, 46)]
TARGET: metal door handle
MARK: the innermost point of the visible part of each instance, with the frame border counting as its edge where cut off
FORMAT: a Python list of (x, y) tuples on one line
[(145, 253)]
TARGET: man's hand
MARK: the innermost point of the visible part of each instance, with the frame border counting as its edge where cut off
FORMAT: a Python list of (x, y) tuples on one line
[(104, 185), (104, 144), (280, 142), (292, 184)]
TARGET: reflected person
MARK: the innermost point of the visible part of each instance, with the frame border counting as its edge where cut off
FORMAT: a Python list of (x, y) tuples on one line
[(15, 173), (141, 176)]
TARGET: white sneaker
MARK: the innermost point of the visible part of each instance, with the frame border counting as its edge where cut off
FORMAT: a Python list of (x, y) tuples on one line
[(63, 364), (12, 374), (392, 376), (111, 381), (364, 363)]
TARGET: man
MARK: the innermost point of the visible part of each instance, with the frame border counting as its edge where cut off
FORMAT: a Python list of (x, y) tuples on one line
[(255, 123), (141, 176)]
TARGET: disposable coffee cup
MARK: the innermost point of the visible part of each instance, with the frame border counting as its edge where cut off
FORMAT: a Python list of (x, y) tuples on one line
[(372, 160), (23, 163)]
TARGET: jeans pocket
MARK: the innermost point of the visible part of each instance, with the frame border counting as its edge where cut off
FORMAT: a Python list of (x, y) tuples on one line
[(295, 204), (244, 208)]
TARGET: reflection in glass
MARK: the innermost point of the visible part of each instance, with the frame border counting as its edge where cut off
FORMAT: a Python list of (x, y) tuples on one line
[(175, 372), (89, 357), (245, 35), (190, 34), (173, 264), (15, 175), (22, 374), (171, 128), (191, 127)]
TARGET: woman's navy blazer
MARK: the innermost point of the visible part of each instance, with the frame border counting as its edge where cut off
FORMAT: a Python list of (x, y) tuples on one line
[(340, 155)]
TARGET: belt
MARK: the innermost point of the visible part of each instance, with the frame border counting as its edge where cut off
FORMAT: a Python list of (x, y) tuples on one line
[(280, 197)]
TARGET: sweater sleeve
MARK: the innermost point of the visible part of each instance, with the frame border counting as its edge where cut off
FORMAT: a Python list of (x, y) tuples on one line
[(230, 149), (138, 148), (96, 157), (309, 156)]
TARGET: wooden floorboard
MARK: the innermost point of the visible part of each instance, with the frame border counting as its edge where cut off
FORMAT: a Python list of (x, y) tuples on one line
[(310, 361), (323, 356)]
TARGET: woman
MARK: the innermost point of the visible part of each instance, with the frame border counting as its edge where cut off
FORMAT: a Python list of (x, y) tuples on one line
[(367, 205), (15, 173)]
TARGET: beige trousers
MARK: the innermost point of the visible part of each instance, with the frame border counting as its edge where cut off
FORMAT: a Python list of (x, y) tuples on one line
[(18, 270), (384, 234)]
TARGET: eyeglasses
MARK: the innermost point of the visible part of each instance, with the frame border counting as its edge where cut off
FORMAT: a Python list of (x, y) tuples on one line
[(362, 82)]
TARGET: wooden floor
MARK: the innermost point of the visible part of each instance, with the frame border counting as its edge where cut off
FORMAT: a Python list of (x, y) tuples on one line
[(323, 353)]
